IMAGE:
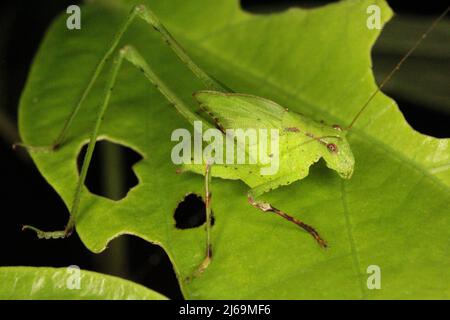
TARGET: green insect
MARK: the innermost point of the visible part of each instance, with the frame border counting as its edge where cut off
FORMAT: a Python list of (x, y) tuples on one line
[(302, 141)]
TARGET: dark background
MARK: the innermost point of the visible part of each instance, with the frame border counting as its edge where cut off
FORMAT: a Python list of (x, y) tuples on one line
[(27, 198)]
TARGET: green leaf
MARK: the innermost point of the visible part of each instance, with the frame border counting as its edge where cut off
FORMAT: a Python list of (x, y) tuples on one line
[(39, 283), (393, 213)]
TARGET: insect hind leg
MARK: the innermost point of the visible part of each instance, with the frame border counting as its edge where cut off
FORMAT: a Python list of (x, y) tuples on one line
[(267, 207), (146, 14), (87, 158)]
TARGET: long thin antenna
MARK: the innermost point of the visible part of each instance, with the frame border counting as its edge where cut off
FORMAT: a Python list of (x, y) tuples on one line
[(389, 76)]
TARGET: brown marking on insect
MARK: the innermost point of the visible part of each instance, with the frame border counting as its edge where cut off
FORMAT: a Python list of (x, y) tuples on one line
[(337, 127), (178, 170), (209, 251), (209, 196), (320, 139), (219, 126), (332, 147), (292, 129), (214, 118)]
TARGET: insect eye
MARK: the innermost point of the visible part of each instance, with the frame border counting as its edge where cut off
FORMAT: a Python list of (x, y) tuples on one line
[(332, 147), (337, 127)]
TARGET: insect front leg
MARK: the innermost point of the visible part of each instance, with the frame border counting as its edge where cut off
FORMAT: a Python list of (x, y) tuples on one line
[(267, 207)]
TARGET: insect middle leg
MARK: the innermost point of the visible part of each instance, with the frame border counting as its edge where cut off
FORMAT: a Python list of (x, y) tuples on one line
[(267, 207), (208, 248)]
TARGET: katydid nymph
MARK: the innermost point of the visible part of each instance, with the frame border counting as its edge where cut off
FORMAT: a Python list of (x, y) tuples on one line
[(302, 141)]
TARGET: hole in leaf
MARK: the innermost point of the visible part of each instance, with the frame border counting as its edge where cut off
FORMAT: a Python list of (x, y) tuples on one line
[(191, 212), (269, 6), (420, 116), (137, 260), (110, 173)]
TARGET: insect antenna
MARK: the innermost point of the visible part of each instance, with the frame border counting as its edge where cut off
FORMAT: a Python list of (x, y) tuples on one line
[(389, 76)]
